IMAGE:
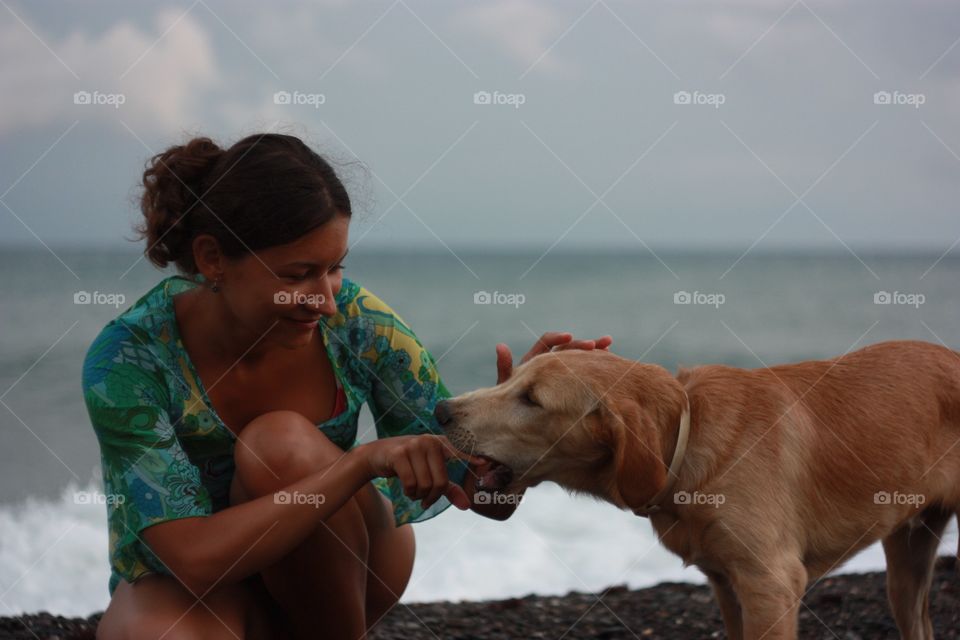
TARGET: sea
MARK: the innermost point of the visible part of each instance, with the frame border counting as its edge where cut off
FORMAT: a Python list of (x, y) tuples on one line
[(673, 308)]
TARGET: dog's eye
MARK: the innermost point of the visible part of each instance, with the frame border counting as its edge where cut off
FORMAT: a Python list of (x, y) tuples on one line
[(528, 398)]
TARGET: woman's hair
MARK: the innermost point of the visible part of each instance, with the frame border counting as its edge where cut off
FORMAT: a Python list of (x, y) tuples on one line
[(266, 190)]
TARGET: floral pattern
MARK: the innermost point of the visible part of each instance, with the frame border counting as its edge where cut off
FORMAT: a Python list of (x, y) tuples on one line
[(166, 454)]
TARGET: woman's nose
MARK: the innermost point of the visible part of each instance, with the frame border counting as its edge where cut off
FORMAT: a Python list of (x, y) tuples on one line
[(323, 301)]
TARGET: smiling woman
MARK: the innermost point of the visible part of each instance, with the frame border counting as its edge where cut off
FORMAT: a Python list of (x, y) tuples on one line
[(225, 402)]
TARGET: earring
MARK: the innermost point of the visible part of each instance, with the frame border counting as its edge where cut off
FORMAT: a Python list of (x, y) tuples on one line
[(215, 287)]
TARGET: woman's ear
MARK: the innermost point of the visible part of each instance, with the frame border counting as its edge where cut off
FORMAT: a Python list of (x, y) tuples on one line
[(634, 438)]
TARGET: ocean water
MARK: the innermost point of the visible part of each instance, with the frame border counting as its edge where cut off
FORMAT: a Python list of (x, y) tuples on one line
[(761, 309)]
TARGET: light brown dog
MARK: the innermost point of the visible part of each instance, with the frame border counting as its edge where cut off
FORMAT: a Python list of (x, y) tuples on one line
[(788, 470)]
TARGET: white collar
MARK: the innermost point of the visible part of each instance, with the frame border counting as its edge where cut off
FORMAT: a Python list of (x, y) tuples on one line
[(673, 471)]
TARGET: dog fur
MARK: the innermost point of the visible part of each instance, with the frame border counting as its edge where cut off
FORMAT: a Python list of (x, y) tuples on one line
[(790, 470)]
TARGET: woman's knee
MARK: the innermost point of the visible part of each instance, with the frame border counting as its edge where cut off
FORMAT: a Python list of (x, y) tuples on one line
[(280, 447)]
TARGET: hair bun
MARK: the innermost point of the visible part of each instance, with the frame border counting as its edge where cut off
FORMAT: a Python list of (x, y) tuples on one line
[(173, 186), (265, 190)]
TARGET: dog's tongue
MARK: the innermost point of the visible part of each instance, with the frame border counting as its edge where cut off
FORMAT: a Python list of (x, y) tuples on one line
[(494, 475)]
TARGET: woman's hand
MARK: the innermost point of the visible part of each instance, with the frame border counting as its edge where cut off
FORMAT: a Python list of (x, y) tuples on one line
[(420, 464), (552, 340)]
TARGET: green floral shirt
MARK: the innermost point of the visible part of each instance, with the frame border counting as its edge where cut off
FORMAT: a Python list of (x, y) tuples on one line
[(166, 454)]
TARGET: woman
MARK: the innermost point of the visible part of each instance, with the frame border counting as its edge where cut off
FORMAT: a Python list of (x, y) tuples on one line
[(225, 403)]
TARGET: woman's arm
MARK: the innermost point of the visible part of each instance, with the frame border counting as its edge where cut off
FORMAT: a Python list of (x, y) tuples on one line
[(407, 386), (550, 341), (235, 542), (242, 539)]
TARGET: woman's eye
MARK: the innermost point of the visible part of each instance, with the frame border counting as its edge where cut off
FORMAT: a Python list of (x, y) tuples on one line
[(305, 276)]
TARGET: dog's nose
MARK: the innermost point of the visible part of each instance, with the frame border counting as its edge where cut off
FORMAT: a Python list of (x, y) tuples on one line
[(442, 413)]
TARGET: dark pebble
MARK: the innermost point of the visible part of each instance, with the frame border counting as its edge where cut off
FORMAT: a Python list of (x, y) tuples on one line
[(850, 607)]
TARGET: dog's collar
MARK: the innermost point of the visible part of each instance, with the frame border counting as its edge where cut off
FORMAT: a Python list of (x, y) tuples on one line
[(652, 506)]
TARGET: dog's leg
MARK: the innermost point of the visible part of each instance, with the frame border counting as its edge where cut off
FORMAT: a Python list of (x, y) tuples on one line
[(770, 595), (729, 606), (911, 552)]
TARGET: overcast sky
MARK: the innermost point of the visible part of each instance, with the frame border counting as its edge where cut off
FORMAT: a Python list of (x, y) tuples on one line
[(587, 138)]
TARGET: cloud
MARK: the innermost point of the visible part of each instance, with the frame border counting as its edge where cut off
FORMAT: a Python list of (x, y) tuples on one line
[(161, 74), (524, 29)]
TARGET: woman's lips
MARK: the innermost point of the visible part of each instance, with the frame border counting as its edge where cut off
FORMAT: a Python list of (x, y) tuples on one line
[(303, 324)]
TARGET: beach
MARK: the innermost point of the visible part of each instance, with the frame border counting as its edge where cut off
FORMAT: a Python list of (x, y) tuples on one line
[(847, 606)]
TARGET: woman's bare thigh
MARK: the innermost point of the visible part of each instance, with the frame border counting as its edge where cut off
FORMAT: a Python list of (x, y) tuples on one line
[(158, 606)]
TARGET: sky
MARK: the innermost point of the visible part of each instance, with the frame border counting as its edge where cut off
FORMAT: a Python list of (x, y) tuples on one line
[(491, 124)]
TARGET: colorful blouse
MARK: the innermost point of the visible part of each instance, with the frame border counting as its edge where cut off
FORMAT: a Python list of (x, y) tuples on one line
[(166, 454)]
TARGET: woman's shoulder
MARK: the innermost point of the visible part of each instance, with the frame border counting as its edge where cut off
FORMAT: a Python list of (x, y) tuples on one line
[(356, 301), (138, 336), (366, 321), (370, 327)]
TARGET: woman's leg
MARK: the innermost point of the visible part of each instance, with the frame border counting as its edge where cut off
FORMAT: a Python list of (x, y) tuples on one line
[(391, 553), (158, 606), (324, 583)]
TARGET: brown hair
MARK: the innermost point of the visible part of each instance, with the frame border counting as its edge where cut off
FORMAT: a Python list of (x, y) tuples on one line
[(266, 190)]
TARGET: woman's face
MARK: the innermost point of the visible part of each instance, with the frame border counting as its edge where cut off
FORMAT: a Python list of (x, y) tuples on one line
[(284, 290)]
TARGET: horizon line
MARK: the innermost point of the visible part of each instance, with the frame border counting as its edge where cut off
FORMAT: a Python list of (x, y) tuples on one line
[(527, 249)]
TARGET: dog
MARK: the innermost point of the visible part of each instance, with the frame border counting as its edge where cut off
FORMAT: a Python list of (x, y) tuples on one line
[(765, 479)]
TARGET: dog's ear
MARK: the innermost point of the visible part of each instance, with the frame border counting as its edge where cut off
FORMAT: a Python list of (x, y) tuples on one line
[(634, 439)]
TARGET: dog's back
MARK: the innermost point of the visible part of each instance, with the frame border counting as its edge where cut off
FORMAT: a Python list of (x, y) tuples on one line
[(866, 440)]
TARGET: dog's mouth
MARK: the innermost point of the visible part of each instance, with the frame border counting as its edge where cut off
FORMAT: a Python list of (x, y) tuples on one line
[(492, 474)]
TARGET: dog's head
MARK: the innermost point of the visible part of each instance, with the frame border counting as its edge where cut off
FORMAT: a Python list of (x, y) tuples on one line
[(590, 421)]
